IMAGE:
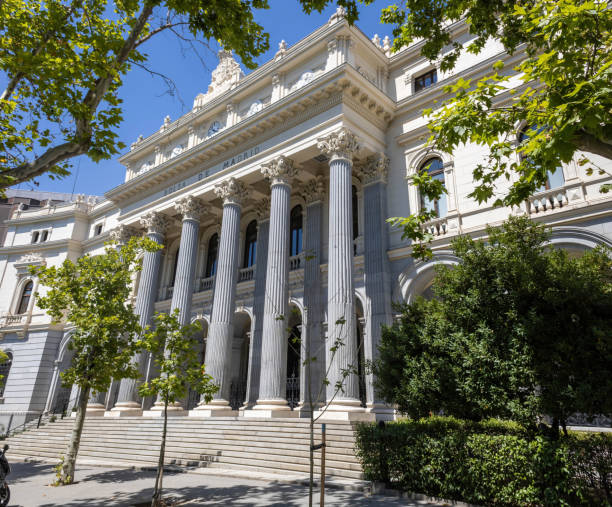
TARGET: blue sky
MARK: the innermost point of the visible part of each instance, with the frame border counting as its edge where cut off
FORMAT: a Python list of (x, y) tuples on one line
[(145, 100)]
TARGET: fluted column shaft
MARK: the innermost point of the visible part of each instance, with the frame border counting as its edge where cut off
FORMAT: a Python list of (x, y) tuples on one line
[(145, 299), (376, 274), (185, 269), (274, 340), (312, 335), (258, 310), (221, 331), (340, 292)]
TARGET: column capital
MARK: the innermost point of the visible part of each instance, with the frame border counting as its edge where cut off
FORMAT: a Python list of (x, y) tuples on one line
[(190, 208), (279, 171), (340, 144), (122, 234), (262, 209), (155, 223), (313, 190), (231, 191), (373, 169)]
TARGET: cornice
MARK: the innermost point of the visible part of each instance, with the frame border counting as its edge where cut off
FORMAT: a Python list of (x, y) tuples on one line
[(398, 59), (436, 94), (316, 97), (293, 54), (67, 244), (47, 218)]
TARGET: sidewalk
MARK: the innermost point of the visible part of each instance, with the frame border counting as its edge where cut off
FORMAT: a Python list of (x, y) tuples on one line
[(115, 486)]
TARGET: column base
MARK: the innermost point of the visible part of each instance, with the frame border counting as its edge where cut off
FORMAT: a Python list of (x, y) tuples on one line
[(95, 410), (345, 410), (382, 411), (125, 409), (216, 408), (157, 410), (271, 409)]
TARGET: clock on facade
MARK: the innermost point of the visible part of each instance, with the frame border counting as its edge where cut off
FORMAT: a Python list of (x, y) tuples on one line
[(214, 128)]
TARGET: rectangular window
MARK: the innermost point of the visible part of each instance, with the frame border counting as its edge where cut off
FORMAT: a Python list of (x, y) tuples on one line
[(425, 80), (44, 236), (35, 236), (98, 230)]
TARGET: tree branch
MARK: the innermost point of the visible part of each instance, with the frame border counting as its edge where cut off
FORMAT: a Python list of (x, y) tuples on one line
[(82, 138), (157, 30)]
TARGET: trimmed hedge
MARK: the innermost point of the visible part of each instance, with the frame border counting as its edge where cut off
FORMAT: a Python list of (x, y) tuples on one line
[(487, 463)]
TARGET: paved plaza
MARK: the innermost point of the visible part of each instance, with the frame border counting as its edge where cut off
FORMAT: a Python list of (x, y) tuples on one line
[(98, 486)]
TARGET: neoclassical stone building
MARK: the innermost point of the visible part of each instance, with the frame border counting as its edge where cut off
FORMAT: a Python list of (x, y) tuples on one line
[(270, 197)]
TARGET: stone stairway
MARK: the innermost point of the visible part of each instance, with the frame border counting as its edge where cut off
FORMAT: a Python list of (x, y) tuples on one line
[(277, 446)]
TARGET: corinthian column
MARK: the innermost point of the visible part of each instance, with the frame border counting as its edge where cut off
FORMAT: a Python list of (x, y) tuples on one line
[(273, 379), (341, 343), (221, 331), (128, 401), (373, 172), (191, 210)]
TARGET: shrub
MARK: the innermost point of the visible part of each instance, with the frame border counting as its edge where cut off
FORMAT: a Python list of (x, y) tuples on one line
[(487, 463)]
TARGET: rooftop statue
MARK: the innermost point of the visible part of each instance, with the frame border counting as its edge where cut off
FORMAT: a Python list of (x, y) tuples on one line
[(224, 77)]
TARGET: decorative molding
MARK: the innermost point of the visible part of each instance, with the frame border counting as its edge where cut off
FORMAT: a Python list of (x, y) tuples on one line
[(122, 234), (340, 144), (279, 171), (231, 191), (225, 77), (262, 209), (155, 223), (190, 208), (374, 169), (313, 190)]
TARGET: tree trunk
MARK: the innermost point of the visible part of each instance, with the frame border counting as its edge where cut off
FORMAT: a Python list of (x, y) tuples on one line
[(157, 493), (67, 472), (310, 482)]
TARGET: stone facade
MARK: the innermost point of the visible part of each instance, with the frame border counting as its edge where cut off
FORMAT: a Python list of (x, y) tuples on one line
[(271, 197)]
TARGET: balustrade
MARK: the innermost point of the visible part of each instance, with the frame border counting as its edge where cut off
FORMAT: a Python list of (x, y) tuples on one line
[(246, 274), (549, 200), (436, 227), (295, 262)]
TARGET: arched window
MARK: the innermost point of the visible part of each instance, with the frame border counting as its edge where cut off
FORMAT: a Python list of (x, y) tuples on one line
[(26, 294), (250, 244), (5, 368), (553, 180), (211, 257), (296, 230), (435, 168), (176, 258), (355, 204)]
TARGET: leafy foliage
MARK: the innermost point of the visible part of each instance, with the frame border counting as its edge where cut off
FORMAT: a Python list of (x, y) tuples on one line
[(487, 463), (174, 350), (91, 294), (563, 89), (517, 330), (64, 62)]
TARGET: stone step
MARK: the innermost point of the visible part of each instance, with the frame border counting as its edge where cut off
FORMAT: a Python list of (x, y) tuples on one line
[(270, 446), (340, 442)]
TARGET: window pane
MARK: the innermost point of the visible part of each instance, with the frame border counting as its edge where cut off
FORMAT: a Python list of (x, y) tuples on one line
[(556, 179)]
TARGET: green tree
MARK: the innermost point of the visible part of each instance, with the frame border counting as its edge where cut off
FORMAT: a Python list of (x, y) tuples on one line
[(64, 62), (565, 91), (91, 294), (518, 329), (174, 350)]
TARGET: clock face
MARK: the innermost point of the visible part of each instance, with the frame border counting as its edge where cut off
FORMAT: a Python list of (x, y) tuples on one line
[(214, 128)]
